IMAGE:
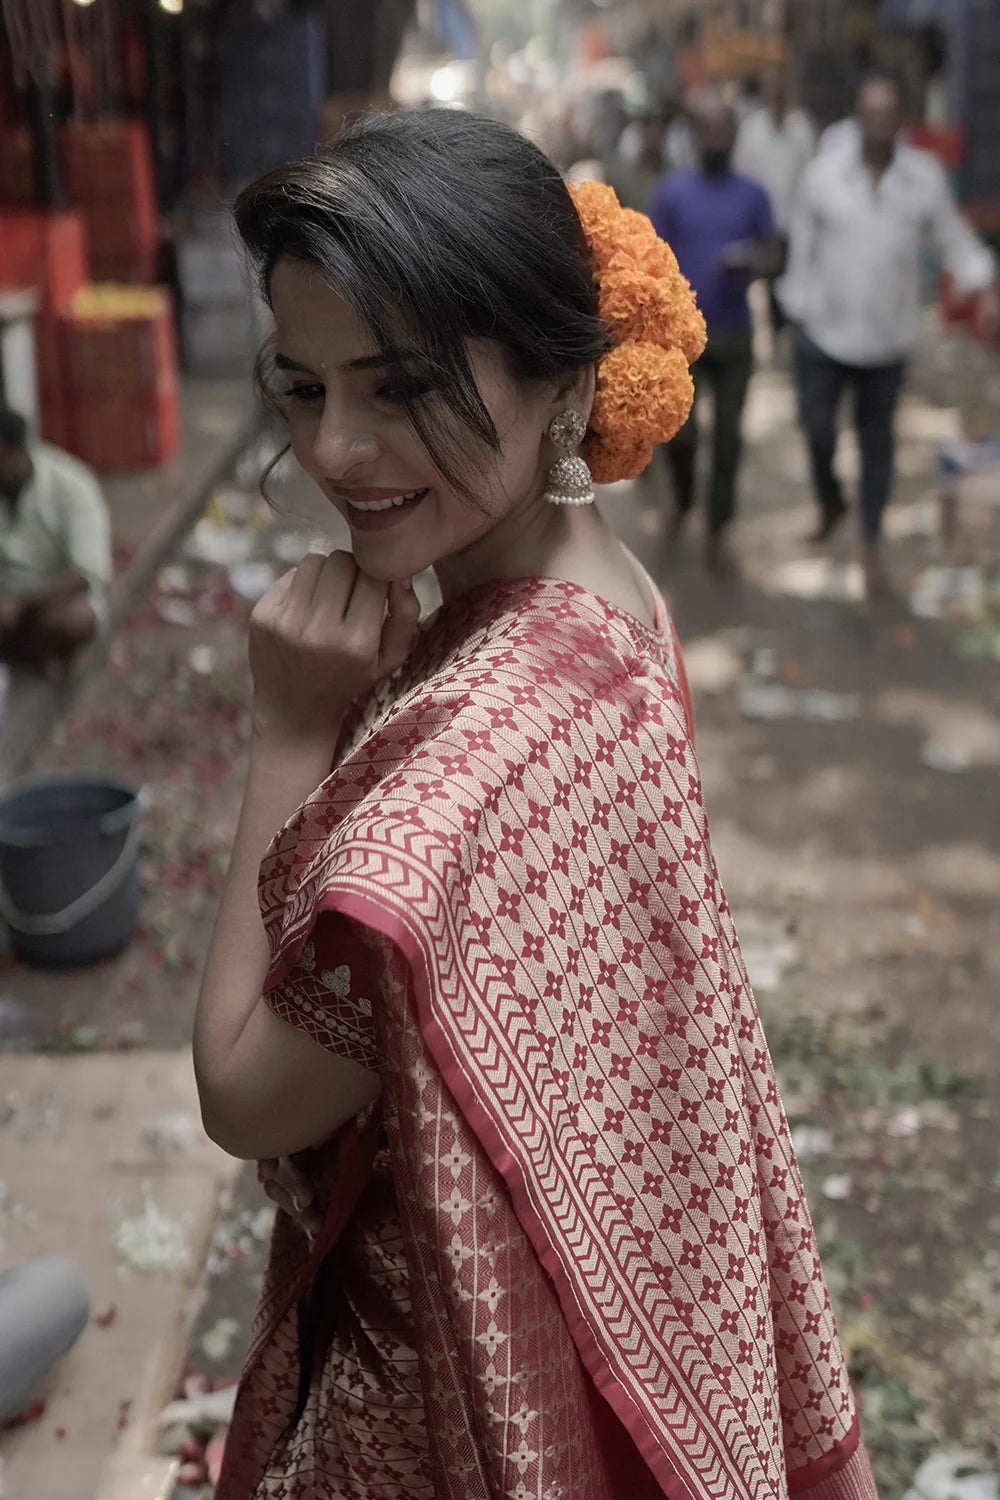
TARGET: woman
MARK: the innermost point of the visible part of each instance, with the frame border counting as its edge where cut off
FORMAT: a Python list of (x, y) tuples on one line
[(548, 1237)]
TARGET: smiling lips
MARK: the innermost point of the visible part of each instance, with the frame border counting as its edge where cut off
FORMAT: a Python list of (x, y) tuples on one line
[(371, 500), (376, 510)]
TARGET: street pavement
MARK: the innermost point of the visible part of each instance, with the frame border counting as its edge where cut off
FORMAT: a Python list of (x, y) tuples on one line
[(851, 761)]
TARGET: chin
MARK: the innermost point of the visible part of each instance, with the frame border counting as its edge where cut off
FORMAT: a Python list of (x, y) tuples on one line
[(379, 563)]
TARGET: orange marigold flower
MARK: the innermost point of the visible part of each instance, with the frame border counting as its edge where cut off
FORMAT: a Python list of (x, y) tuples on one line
[(691, 333), (628, 298), (617, 457), (599, 212), (644, 387), (637, 230), (642, 391), (636, 305)]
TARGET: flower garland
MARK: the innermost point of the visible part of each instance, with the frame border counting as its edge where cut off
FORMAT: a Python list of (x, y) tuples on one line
[(644, 386)]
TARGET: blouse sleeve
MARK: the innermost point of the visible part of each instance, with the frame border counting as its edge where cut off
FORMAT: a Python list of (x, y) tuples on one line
[(328, 994)]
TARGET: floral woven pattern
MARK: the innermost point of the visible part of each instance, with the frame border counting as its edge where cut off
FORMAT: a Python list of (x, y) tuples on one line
[(521, 816)]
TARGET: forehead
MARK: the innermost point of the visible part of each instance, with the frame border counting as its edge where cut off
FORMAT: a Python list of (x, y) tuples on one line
[(311, 314), (879, 95)]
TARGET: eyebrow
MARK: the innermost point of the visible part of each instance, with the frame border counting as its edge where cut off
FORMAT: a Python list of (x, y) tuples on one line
[(365, 362)]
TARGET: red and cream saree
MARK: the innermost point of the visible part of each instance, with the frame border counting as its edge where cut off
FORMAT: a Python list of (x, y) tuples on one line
[(567, 1255)]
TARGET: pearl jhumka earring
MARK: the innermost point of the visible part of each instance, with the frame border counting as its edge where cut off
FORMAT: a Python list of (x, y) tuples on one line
[(569, 481)]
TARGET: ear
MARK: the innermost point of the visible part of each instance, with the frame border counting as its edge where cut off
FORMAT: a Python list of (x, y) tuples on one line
[(576, 390)]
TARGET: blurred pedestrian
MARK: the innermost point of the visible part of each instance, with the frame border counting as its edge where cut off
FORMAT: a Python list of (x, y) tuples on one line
[(55, 552), (865, 214), (680, 146), (638, 161), (838, 134), (722, 230), (774, 145)]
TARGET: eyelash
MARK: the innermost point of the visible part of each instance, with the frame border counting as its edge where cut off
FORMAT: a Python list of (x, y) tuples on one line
[(308, 395), (404, 390), (413, 390)]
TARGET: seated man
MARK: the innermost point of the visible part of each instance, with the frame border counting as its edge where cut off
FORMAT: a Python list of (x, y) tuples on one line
[(55, 552)]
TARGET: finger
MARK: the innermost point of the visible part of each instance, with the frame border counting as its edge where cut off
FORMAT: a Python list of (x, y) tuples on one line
[(279, 1196), (271, 604), (326, 605), (295, 1181), (366, 606), (310, 1220), (324, 576), (286, 603), (400, 626)]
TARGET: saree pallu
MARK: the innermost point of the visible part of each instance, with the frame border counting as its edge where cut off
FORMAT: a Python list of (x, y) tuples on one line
[(567, 1254)]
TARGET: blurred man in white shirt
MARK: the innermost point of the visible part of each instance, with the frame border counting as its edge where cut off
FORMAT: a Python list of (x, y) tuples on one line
[(55, 552), (864, 215), (774, 146)]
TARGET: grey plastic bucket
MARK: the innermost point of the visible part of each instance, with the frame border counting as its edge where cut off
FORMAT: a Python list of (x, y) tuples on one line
[(69, 867)]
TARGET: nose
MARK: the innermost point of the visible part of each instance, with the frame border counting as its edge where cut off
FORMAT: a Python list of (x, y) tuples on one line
[(343, 441)]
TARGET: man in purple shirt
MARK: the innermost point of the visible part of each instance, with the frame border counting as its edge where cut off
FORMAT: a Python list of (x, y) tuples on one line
[(721, 228)]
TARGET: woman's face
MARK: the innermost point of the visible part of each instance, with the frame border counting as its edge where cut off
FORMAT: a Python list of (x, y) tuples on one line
[(349, 431)]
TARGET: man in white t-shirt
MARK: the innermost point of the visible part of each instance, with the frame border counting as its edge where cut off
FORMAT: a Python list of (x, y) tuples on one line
[(55, 552), (865, 213), (774, 146)]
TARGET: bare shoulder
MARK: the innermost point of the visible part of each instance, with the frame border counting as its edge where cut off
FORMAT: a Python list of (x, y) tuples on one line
[(619, 578)]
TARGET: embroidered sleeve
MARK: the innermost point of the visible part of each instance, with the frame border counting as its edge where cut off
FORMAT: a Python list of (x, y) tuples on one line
[(328, 994)]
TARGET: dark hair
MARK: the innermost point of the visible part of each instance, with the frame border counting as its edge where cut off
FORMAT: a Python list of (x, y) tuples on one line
[(438, 226), (13, 428)]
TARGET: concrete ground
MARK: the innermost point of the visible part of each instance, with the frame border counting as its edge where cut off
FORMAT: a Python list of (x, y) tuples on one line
[(102, 1161), (850, 757)]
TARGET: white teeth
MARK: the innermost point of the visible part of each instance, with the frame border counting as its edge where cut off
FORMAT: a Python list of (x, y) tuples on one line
[(392, 502)]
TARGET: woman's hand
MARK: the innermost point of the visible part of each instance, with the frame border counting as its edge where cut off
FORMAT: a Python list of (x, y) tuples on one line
[(319, 638), (289, 1187)]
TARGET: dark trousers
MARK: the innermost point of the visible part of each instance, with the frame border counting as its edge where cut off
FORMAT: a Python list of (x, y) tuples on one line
[(725, 368), (777, 312), (821, 384)]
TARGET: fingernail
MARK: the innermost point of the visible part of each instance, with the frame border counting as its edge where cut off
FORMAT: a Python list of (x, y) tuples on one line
[(297, 1204)]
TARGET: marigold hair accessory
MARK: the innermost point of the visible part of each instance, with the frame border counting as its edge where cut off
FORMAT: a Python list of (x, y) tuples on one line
[(569, 479), (644, 386)]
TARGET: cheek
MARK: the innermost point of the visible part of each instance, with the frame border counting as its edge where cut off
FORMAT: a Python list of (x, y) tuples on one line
[(521, 459), (302, 426)]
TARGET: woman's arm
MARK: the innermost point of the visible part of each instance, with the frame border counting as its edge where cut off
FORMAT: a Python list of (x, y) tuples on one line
[(318, 638), (267, 1089)]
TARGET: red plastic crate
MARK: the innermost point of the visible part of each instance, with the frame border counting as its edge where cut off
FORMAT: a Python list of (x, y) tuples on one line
[(108, 167), (113, 229), (125, 432), (54, 416), (18, 182), (121, 356), (45, 250), (108, 159), (49, 350), (137, 267), (946, 142), (50, 368)]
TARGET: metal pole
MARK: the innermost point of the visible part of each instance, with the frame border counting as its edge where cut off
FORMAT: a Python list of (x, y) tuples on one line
[(43, 130)]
